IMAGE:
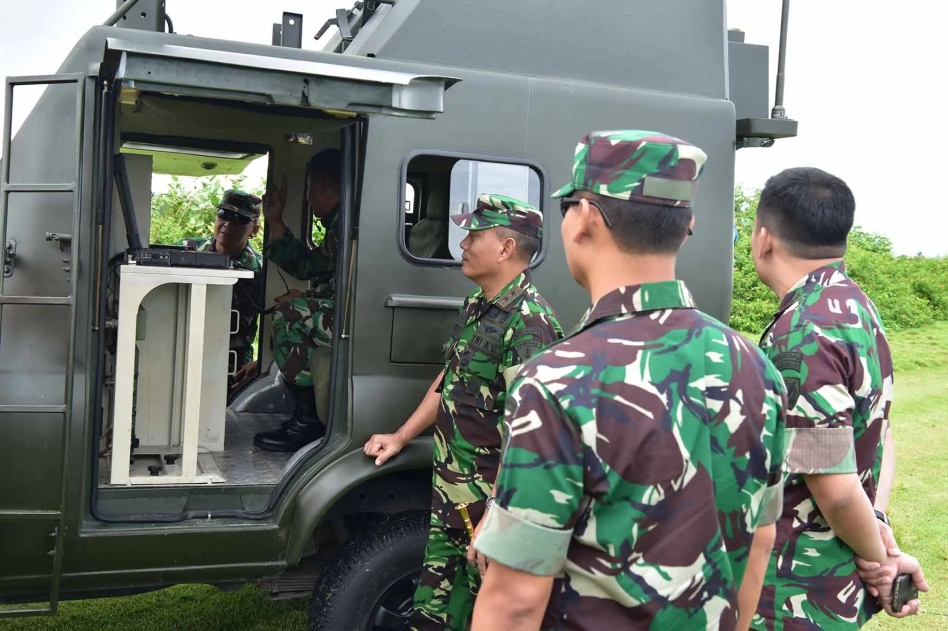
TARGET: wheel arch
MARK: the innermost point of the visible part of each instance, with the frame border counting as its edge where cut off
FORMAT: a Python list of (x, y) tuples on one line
[(353, 483)]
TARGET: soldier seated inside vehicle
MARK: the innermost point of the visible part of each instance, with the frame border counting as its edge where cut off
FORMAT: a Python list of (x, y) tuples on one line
[(302, 321), (237, 222)]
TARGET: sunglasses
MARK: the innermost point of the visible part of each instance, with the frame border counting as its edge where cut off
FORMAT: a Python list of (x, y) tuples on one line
[(568, 202), (231, 217)]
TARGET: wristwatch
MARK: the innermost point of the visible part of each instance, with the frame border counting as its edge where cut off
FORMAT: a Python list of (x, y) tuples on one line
[(882, 517), (489, 502)]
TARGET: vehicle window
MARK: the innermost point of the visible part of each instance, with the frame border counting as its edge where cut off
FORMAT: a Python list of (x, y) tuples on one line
[(452, 186), (315, 230)]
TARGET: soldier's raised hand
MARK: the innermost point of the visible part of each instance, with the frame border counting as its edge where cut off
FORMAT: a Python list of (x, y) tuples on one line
[(274, 201), (383, 446)]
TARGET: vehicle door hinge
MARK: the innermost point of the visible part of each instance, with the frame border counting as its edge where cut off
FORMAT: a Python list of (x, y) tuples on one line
[(9, 258)]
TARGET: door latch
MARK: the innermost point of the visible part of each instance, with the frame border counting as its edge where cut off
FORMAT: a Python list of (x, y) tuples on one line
[(64, 240), (9, 258)]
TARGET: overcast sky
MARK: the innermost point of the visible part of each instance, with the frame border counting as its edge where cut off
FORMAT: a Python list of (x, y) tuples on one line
[(857, 73)]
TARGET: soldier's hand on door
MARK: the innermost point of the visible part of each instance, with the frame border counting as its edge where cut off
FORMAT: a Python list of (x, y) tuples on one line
[(383, 446)]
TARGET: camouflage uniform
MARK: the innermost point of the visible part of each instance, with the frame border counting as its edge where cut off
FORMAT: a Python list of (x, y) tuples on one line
[(828, 341), (246, 299), (643, 451), (243, 208), (301, 324), (491, 338)]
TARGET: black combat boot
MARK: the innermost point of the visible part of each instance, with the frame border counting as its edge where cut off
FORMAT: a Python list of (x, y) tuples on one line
[(300, 429)]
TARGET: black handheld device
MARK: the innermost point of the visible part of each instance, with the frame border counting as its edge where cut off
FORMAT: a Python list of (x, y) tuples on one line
[(903, 590)]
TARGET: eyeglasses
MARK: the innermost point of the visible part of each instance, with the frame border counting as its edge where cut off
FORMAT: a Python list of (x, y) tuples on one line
[(568, 202), (230, 216)]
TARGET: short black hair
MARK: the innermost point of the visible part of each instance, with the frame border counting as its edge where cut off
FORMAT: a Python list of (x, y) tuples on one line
[(527, 246), (326, 164), (640, 228), (809, 210)]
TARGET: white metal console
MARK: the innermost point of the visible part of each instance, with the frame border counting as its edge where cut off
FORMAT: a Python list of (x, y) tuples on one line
[(136, 282)]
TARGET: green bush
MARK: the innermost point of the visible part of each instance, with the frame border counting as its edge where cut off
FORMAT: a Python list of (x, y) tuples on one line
[(909, 291), (187, 211)]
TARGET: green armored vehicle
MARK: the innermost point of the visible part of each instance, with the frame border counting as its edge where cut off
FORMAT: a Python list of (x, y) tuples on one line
[(125, 465)]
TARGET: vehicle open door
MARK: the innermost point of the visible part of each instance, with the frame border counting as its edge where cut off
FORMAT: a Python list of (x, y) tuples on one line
[(35, 414)]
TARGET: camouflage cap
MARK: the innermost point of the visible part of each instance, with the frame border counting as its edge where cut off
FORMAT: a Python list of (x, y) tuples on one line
[(499, 210), (636, 165), (242, 203)]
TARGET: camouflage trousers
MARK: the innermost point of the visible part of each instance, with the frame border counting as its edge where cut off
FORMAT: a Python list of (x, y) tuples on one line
[(299, 326), (444, 599)]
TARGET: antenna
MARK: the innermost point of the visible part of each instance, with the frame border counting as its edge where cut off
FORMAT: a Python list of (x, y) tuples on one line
[(125, 197), (757, 131), (149, 16), (120, 12), (778, 111)]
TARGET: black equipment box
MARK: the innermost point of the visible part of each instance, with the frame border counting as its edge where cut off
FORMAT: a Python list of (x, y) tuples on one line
[(175, 257)]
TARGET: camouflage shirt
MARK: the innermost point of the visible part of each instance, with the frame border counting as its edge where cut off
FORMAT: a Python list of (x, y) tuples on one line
[(828, 342), (643, 451), (313, 264), (491, 338), (246, 297)]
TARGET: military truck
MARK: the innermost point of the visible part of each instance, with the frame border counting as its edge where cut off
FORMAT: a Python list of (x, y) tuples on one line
[(124, 466)]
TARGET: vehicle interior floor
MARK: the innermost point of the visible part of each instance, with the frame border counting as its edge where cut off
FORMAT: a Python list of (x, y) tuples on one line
[(241, 463)]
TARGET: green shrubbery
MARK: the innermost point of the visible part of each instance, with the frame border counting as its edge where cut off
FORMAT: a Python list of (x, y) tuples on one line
[(910, 291), (187, 208)]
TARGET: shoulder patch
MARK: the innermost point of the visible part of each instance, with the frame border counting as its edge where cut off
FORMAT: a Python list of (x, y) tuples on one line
[(793, 391), (788, 360), (527, 344)]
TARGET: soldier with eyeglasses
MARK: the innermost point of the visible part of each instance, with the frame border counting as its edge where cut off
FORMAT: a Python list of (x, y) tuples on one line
[(237, 222)]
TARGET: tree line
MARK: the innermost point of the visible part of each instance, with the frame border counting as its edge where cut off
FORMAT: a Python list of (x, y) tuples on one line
[(910, 291)]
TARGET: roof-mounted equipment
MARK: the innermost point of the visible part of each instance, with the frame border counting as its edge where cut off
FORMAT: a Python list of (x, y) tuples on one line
[(762, 132)]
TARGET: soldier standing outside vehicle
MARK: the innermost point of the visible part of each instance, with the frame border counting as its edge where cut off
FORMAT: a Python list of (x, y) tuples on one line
[(237, 222), (303, 320), (640, 477), (500, 325), (828, 341)]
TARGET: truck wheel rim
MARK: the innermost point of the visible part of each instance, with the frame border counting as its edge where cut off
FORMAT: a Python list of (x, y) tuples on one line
[(393, 608)]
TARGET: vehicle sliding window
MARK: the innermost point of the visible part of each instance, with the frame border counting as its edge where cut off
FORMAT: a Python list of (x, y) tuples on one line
[(438, 185)]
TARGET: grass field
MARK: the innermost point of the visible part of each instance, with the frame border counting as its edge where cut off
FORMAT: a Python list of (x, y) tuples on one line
[(921, 487)]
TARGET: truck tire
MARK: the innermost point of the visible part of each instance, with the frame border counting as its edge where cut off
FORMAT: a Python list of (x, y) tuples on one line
[(370, 584)]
